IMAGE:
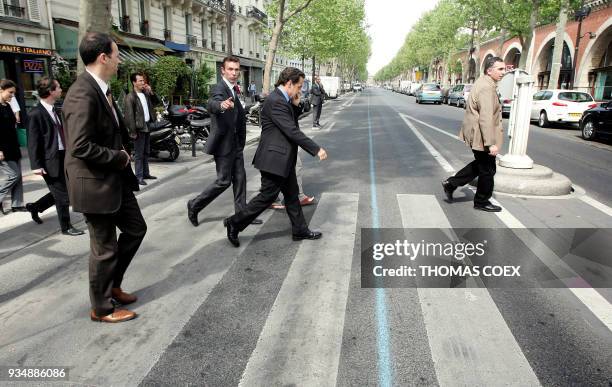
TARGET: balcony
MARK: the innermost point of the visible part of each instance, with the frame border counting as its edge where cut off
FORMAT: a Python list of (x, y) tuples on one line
[(125, 24), (218, 5), (257, 55), (144, 28), (258, 14), (192, 40), (14, 11), (167, 35)]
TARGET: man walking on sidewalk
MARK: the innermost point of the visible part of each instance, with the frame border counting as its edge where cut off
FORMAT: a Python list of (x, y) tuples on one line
[(46, 148), (276, 156), (139, 114), (318, 97), (225, 142), (100, 178), (483, 132)]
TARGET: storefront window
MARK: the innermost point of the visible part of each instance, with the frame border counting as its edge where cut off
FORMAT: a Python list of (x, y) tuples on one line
[(32, 69)]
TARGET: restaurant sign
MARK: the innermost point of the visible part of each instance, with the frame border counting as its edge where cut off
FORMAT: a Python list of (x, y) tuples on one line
[(25, 50)]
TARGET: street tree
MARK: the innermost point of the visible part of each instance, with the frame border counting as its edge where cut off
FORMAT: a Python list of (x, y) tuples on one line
[(94, 16), (282, 11)]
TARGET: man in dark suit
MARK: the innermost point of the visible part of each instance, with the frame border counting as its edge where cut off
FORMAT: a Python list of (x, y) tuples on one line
[(46, 148), (139, 113), (276, 157), (225, 142), (318, 96), (100, 178)]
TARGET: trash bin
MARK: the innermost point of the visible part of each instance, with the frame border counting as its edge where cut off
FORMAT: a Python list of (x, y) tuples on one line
[(22, 137)]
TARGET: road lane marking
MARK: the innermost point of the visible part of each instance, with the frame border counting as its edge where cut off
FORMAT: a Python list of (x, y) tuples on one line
[(470, 342), (301, 341), (594, 301)]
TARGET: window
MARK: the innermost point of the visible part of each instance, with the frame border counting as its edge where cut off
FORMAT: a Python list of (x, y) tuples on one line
[(547, 95), (122, 8), (538, 96), (167, 17), (141, 11), (431, 87), (188, 26), (203, 25), (575, 97)]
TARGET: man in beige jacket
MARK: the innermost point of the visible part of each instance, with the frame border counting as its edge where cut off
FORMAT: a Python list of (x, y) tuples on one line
[(483, 132)]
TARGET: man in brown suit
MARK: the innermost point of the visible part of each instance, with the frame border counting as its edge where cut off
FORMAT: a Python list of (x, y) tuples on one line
[(483, 132), (100, 178)]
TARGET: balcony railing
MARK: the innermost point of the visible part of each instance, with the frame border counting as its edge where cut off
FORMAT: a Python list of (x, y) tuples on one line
[(167, 35), (144, 28), (14, 11), (256, 13), (126, 24), (219, 5), (192, 40)]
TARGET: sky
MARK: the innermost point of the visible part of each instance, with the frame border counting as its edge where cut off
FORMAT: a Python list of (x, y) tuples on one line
[(389, 22)]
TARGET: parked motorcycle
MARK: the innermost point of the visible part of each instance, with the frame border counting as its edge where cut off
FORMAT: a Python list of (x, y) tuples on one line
[(164, 139)]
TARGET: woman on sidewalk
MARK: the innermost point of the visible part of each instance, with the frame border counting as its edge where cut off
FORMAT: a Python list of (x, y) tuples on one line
[(10, 154)]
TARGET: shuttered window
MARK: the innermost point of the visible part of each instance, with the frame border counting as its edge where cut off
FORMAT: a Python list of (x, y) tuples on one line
[(34, 10)]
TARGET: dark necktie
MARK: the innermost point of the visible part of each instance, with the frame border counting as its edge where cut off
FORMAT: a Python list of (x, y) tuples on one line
[(59, 127), (237, 90)]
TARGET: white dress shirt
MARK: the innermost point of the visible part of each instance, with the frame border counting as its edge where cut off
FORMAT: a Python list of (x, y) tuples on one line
[(49, 109), (145, 106), (104, 87)]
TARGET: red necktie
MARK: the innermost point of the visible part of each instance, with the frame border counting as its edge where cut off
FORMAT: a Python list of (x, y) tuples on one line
[(237, 90)]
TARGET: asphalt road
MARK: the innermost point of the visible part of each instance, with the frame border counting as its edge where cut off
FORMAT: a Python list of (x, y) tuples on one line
[(276, 312)]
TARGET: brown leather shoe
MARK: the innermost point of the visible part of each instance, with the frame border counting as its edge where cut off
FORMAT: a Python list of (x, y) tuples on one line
[(119, 315), (123, 297)]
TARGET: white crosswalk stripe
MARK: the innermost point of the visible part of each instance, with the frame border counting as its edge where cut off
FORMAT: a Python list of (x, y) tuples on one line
[(471, 344), (301, 341)]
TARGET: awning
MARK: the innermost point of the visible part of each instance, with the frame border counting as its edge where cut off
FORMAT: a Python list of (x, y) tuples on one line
[(250, 62), (177, 46), (66, 38), (136, 56), (138, 43)]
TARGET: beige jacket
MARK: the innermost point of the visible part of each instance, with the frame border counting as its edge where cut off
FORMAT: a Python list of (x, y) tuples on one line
[(482, 123)]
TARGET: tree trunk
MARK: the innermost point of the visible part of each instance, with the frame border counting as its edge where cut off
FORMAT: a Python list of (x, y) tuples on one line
[(278, 28), (532, 24), (502, 39), (228, 10), (95, 16), (558, 50), (313, 69)]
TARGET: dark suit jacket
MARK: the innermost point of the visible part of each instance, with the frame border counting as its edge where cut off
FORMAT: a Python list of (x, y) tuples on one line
[(43, 147), (95, 166), (318, 94), (227, 129), (134, 113), (9, 144), (280, 136)]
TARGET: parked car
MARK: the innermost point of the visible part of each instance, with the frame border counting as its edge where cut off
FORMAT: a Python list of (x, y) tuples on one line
[(429, 92), (459, 94), (597, 121), (414, 86), (357, 87), (556, 105)]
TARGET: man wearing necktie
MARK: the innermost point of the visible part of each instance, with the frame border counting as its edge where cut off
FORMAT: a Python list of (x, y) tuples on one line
[(100, 178), (46, 149), (225, 142)]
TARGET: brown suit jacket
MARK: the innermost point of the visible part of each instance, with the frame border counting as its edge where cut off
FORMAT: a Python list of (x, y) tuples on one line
[(482, 123), (95, 166)]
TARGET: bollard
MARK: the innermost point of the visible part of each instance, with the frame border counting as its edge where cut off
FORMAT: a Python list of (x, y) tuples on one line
[(193, 142), (519, 124)]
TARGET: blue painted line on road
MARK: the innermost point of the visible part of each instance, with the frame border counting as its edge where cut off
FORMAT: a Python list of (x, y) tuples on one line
[(384, 362)]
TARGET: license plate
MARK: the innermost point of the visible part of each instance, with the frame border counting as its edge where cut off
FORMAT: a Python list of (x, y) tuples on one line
[(575, 115), (177, 139)]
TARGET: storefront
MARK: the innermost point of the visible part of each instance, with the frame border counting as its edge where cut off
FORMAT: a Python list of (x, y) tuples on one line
[(25, 66)]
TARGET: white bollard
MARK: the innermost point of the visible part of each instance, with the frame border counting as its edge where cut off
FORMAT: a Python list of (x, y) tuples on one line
[(519, 124)]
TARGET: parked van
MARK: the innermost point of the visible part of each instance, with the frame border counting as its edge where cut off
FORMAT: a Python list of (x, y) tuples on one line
[(331, 86), (505, 90)]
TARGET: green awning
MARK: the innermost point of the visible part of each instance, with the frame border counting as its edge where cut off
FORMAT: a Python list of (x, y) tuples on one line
[(137, 43), (66, 38)]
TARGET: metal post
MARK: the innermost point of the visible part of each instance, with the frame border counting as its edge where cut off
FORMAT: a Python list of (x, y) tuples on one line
[(521, 108)]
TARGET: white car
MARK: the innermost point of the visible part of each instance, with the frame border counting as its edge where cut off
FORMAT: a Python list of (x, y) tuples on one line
[(356, 86), (557, 105)]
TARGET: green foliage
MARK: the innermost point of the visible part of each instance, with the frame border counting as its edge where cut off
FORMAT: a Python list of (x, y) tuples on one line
[(203, 76), (169, 74), (60, 70)]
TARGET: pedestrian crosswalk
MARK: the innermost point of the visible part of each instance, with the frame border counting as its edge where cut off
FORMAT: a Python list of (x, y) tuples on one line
[(270, 313)]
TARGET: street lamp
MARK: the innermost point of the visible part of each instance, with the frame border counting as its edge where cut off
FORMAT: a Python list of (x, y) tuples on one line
[(579, 16)]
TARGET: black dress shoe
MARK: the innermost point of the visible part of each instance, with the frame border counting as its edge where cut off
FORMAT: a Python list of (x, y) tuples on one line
[(192, 215), (142, 182), (307, 235), (487, 207), (34, 213), (2, 209), (73, 232), (150, 177), (257, 221), (232, 232), (19, 209), (448, 190)]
